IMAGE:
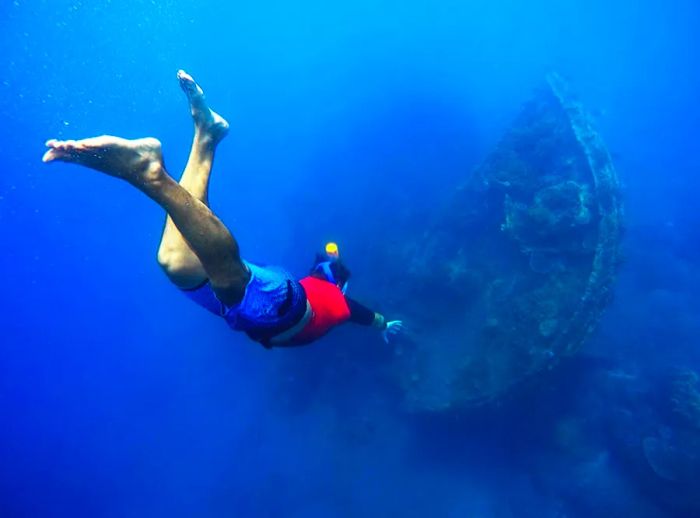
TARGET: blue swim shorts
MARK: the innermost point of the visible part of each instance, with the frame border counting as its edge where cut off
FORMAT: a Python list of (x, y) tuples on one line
[(273, 303)]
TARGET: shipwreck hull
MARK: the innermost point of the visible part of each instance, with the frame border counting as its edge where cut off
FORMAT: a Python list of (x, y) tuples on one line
[(518, 267)]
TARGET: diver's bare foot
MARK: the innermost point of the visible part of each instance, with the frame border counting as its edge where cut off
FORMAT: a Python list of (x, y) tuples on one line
[(137, 161), (207, 122)]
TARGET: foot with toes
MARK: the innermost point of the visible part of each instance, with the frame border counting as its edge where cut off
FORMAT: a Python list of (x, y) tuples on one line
[(207, 122), (141, 160), (137, 161)]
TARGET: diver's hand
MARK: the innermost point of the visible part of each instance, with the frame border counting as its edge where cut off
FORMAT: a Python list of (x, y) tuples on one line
[(393, 328)]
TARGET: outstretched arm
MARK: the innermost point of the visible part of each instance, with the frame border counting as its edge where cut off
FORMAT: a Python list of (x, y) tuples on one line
[(364, 316)]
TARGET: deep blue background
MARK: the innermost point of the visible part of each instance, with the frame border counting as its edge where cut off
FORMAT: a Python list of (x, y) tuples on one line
[(118, 397)]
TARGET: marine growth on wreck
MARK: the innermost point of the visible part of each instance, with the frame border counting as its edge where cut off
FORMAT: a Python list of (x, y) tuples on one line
[(518, 265)]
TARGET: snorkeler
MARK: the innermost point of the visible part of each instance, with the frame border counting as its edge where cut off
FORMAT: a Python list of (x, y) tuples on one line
[(200, 255)]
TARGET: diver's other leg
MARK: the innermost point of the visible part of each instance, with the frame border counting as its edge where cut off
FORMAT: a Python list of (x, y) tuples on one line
[(140, 162), (179, 262)]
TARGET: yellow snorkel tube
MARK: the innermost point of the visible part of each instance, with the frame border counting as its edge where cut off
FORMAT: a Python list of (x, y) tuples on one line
[(332, 251), (333, 255)]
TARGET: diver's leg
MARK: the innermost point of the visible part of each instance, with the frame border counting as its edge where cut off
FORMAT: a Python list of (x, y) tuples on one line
[(175, 256), (140, 162)]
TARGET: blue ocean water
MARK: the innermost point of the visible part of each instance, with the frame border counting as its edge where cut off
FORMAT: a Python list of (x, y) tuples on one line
[(119, 397)]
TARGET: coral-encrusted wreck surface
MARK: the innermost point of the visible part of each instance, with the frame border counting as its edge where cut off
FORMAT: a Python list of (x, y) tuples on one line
[(516, 270)]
